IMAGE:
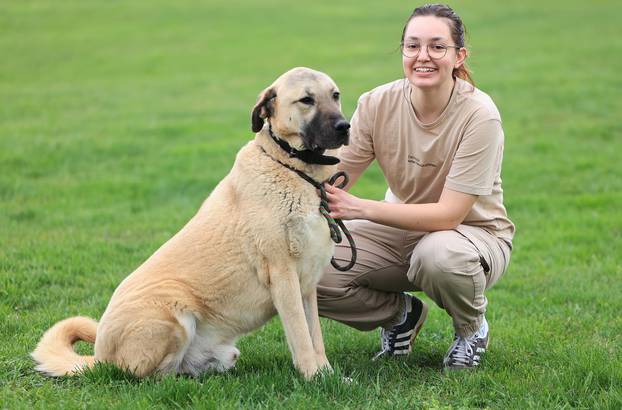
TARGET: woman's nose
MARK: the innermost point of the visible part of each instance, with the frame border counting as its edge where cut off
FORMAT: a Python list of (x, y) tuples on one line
[(423, 54)]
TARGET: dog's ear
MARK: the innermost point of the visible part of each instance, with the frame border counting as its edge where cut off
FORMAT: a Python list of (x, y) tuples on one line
[(263, 109)]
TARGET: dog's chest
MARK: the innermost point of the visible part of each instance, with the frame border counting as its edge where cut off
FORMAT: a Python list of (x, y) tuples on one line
[(317, 250)]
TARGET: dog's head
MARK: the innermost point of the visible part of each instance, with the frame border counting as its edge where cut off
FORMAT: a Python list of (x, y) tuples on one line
[(304, 108)]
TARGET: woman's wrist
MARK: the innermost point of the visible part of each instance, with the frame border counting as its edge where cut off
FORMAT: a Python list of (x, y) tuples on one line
[(367, 209)]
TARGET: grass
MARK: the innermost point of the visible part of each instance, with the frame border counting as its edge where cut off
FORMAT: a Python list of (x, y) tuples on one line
[(117, 119)]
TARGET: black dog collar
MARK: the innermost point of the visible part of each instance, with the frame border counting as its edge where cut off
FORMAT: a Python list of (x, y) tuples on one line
[(309, 156)]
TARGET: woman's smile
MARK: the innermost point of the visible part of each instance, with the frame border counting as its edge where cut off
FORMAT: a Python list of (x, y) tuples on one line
[(425, 71)]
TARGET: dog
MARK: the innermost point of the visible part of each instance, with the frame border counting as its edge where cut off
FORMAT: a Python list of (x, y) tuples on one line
[(257, 246)]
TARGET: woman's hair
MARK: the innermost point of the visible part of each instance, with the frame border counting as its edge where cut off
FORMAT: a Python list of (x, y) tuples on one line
[(456, 27)]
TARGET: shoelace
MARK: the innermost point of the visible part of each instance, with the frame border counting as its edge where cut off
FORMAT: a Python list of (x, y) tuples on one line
[(385, 337), (462, 350)]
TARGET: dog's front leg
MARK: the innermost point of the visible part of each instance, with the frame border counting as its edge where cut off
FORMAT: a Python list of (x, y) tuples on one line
[(285, 291), (313, 320)]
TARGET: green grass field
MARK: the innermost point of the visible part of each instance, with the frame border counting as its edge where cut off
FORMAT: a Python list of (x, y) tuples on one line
[(118, 118)]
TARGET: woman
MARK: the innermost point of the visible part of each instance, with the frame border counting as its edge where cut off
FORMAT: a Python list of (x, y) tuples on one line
[(442, 228)]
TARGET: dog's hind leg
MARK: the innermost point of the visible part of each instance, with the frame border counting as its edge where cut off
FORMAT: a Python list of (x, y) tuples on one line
[(149, 346)]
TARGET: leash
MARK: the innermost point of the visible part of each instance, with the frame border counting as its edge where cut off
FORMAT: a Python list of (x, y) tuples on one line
[(334, 225)]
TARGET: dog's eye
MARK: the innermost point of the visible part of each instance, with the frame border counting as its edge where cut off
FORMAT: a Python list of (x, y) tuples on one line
[(336, 96), (307, 100)]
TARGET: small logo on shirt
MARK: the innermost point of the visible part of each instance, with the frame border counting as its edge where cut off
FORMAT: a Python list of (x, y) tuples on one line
[(414, 160)]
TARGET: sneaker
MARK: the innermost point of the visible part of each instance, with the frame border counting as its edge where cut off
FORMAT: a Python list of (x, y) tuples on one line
[(466, 352), (398, 341)]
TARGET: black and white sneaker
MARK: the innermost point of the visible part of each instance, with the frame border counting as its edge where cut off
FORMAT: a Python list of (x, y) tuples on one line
[(467, 352), (399, 340)]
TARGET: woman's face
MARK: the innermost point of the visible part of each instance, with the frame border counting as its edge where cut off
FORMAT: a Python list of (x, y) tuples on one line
[(424, 71)]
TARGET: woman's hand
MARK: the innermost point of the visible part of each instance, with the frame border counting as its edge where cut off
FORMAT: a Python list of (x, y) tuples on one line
[(344, 205)]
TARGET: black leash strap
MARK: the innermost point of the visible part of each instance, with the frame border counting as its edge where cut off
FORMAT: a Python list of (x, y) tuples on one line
[(335, 224)]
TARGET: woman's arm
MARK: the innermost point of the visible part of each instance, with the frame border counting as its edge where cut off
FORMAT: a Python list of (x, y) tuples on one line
[(447, 213)]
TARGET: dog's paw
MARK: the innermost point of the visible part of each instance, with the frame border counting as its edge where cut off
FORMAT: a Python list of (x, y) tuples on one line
[(308, 368), (323, 363), (227, 357)]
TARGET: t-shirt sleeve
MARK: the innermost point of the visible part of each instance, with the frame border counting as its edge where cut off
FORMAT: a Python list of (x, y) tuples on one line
[(359, 153), (477, 162)]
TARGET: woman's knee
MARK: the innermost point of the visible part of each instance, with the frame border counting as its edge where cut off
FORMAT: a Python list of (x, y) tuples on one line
[(440, 255)]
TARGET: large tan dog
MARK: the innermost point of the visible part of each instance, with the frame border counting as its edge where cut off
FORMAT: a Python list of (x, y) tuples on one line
[(257, 246)]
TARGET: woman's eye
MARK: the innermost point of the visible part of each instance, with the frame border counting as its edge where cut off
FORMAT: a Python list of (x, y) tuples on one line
[(438, 47), (307, 100), (412, 46)]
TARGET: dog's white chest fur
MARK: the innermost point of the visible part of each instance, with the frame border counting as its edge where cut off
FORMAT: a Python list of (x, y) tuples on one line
[(317, 252)]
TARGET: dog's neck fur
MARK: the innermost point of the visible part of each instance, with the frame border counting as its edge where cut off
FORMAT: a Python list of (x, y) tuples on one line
[(316, 171)]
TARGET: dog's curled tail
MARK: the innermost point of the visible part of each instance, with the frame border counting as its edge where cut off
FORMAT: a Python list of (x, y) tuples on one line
[(54, 353)]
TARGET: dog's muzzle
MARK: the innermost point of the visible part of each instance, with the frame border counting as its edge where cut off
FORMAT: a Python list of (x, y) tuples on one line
[(342, 130)]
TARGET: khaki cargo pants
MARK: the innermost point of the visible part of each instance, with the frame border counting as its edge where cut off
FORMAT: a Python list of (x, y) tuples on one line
[(452, 267)]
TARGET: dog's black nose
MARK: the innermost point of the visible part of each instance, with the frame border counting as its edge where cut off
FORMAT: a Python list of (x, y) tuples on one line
[(342, 126)]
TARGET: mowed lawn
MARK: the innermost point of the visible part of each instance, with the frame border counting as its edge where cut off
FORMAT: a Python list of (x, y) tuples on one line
[(117, 119)]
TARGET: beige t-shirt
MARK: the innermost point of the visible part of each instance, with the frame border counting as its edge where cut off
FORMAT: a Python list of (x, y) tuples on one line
[(462, 150)]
